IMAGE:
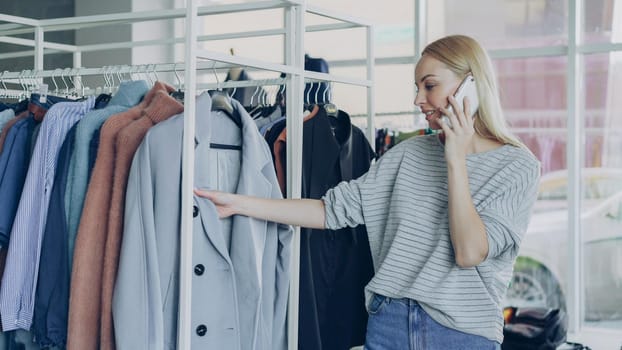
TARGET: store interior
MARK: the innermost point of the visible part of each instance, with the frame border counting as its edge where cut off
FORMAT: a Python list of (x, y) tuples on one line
[(558, 64)]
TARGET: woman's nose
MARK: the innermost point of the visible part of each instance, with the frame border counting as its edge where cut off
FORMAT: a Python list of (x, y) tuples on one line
[(419, 99)]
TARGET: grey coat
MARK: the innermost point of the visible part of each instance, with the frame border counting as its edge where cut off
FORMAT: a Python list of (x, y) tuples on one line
[(240, 279)]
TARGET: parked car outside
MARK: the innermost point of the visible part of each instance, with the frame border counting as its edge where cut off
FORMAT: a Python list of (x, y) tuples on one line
[(541, 270)]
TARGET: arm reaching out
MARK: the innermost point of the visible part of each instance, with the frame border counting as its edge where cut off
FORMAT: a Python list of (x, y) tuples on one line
[(298, 212)]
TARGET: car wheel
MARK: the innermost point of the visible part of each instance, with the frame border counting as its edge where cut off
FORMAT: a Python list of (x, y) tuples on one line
[(533, 285)]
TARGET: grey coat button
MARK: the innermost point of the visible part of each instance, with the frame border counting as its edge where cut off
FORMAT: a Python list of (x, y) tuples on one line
[(199, 269), (195, 211), (201, 330)]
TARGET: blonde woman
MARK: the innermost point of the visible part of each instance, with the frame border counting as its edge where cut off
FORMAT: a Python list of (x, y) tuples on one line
[(445, 213)]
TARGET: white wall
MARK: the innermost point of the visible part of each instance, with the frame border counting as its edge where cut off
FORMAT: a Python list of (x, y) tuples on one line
[(103, 35), (125, 32)]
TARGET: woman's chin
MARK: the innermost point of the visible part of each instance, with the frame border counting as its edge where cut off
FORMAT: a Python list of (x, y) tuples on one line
[(433, 124)]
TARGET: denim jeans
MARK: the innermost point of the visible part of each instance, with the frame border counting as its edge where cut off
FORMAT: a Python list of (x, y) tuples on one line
[(401, 324)]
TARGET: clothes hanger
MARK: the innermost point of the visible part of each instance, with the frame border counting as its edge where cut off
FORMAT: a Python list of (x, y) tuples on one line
[(222, 102), (178, 95), (79, 82), (4, 88), (21, 83), (62, 77), (144, 72), (103, 93), (155, 73), (73, 90), (329, 107), (307, 101), (250, 108)]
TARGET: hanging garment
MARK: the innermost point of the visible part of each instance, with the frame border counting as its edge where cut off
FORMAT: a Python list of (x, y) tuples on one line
[(280, 154), (93, 147), (336, 265), (127, 142), (8, 126), (5, 116), (10, 192), (86, 317), (22, 266), (14, 161), (128, 95), (241, 265), (49, 325), (17, 108)]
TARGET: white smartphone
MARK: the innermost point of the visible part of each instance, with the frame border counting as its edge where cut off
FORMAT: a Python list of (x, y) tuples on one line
[(465, 89)]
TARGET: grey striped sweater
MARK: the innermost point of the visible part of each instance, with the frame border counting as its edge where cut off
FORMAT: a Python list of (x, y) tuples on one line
[(403, 202)]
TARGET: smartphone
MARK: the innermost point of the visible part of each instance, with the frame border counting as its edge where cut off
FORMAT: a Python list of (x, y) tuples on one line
[(465, 89)]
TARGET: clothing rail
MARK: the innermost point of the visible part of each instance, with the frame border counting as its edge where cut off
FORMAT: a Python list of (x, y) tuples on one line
[(55, 48), (293, 32), (21, 25), (310, 76)]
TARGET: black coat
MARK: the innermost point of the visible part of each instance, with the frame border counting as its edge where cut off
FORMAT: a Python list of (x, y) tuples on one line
[(336, 265)]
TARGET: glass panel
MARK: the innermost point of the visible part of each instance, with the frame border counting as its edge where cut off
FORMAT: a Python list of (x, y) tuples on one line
[(392, 96), (393, 21), (599, 24), (394, 27), (502, 24), (601, 206), (267, 48), (337, 45), (533, 95)]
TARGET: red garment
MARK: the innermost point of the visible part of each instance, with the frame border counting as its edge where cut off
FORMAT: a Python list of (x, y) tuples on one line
[(85, 328), (127, 143)]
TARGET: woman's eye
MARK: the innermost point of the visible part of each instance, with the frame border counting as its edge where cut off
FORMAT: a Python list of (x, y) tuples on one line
[(429, 87)]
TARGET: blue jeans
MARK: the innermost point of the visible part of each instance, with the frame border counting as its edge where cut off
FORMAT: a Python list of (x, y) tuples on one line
[(401, 324)]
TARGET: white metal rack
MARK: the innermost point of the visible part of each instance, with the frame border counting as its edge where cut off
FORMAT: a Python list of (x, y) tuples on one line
[(293, 31)]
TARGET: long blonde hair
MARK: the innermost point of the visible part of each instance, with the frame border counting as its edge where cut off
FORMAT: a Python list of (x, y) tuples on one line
[(462, 55)]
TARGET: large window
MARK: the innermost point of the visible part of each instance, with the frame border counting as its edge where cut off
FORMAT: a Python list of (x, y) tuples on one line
[(524, 37), (599, 24), (601, 206), (533, 95), (502, 24)]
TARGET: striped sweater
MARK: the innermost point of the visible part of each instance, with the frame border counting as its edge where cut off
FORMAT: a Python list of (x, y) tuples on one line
[(403, 202)]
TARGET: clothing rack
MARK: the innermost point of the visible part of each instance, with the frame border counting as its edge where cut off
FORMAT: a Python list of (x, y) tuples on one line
[(293, 31)]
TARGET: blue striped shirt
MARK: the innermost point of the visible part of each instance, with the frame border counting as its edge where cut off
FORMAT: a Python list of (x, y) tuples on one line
[(22, 265)]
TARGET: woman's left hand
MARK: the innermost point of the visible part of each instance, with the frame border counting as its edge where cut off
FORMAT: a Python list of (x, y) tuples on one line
[(458, 138)]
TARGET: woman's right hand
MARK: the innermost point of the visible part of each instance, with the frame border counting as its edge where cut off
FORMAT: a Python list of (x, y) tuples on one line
[(224, 201), (298, 212)]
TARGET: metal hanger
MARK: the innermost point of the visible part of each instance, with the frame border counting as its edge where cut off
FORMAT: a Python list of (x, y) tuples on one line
[(144, 71), (307, 97), (177, 76), (155, 74), (55, 91), (178, 95), (21, 83), (62, 77), (254, 93), (5, 91), (317, 91), (222, 102), (330, 108), (325, 94)]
